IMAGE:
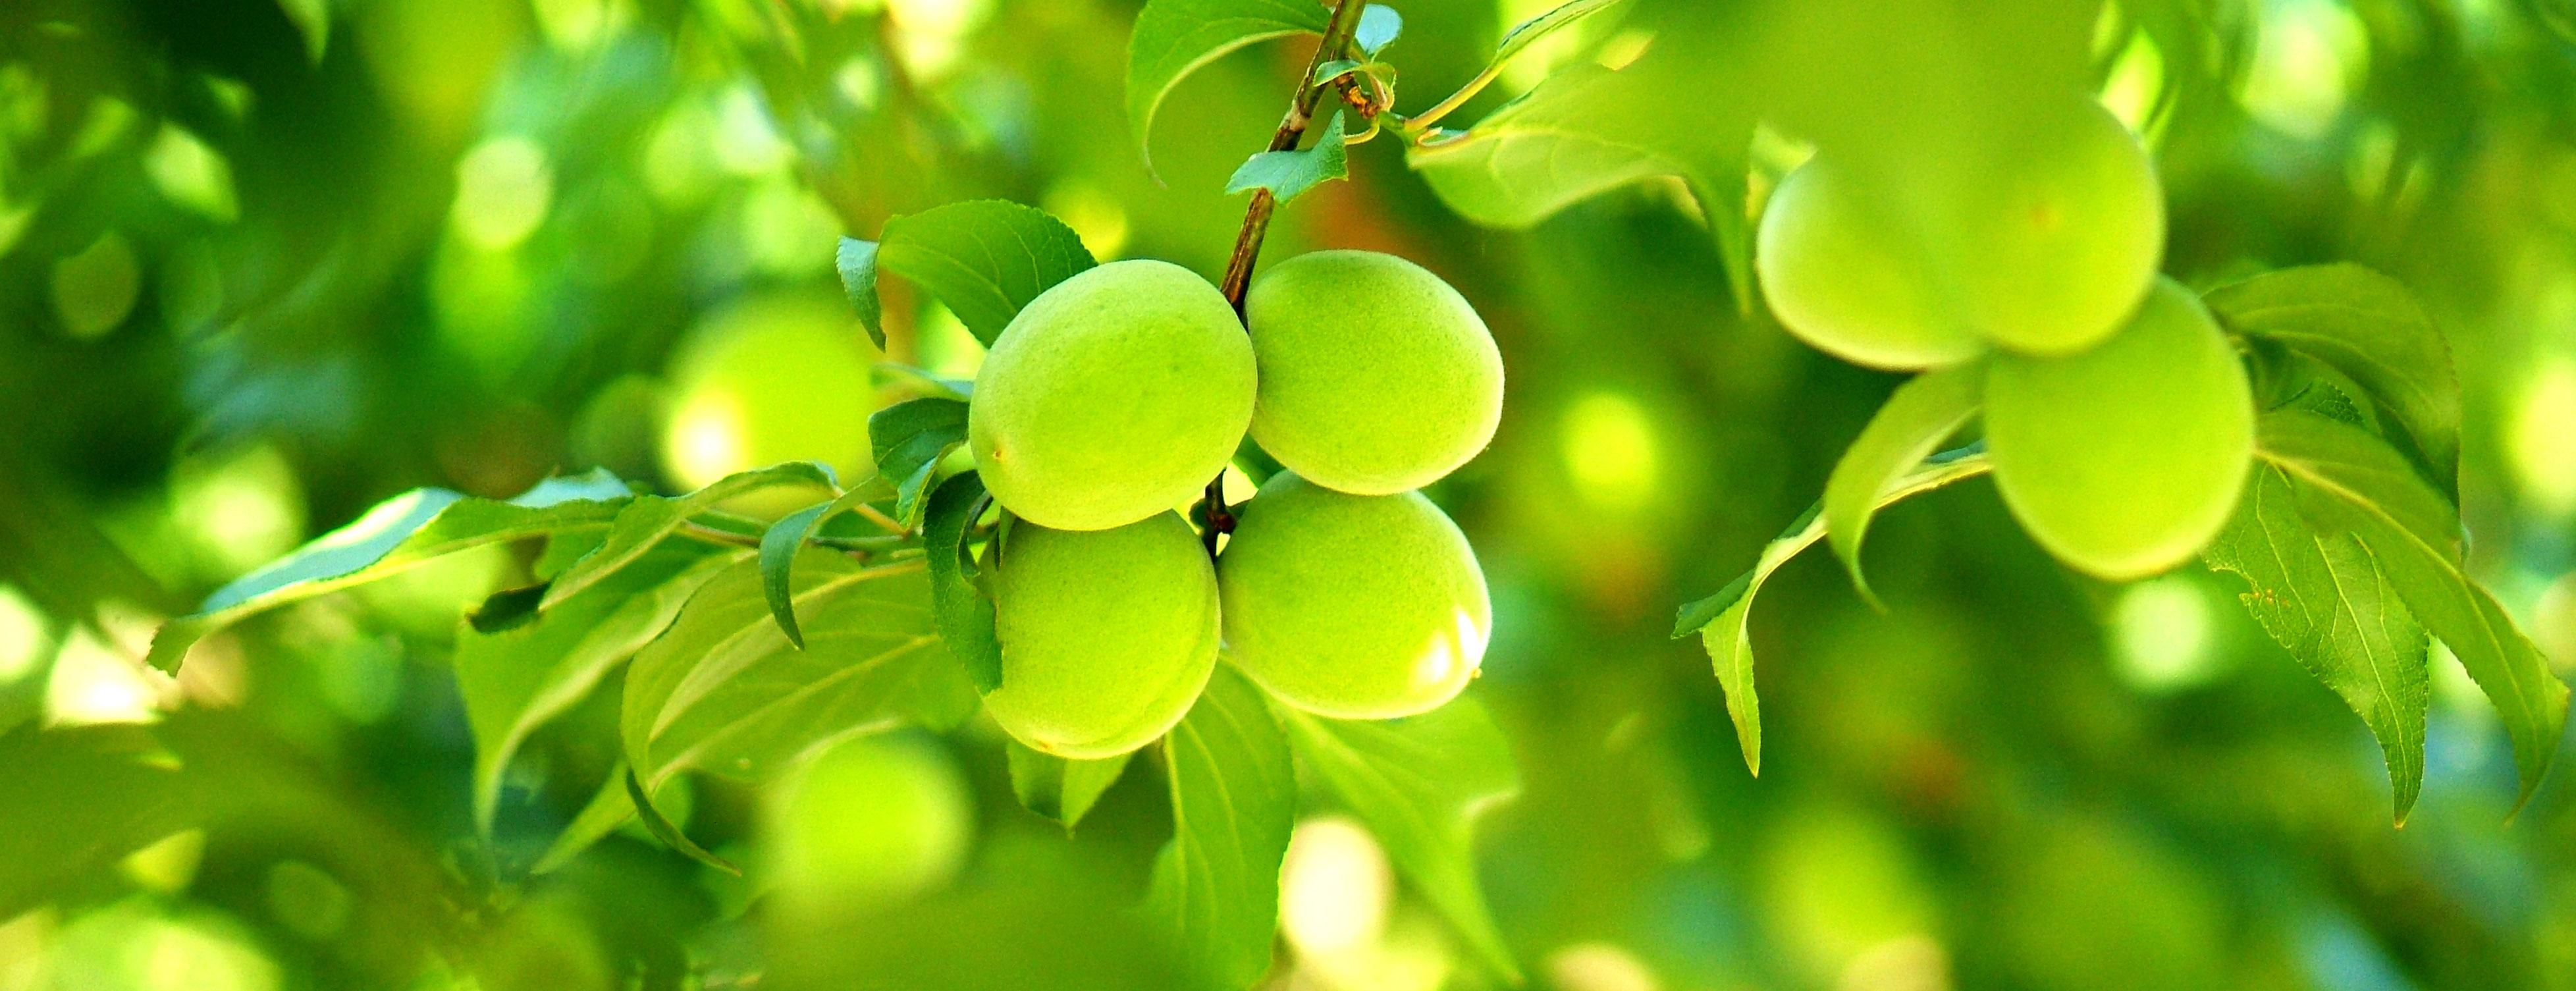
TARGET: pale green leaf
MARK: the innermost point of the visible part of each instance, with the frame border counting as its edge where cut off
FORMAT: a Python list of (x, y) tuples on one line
[(1420, 783), (1288, 173), (2369, 327), (1379, 27), (2325, 598), (514, 680), (1061, 789), (857, 262), (984, 258), (74, 800), (397, 534), (1173, 38), (647, 520), (779, 547), (1234, 797), (1920, 415), (2352, 482), (1531, 31)]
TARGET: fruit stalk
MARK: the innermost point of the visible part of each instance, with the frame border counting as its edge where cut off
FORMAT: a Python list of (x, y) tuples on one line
[(1256, 218)]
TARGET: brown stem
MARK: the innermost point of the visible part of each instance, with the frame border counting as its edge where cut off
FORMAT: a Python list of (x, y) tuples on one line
[(1256, 218)]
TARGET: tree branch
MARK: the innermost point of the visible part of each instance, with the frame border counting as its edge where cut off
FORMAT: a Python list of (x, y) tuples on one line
[(1256, 218)]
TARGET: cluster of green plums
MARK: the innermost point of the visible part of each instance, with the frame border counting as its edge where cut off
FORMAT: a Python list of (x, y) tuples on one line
[(1117, 394), (2118, 415)]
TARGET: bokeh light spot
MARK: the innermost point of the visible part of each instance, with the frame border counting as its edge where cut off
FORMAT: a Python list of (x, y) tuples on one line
[(503, 187), (2542, 438), (2160, 631), (1334, 888), (1611, 451), (95, 289), (2310, 55), (190, 174)]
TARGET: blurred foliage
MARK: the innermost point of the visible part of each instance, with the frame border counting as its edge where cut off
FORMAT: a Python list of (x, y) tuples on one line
[(264, 263)]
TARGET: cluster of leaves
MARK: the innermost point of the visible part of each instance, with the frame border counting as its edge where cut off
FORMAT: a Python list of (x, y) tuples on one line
[(2347, 537)]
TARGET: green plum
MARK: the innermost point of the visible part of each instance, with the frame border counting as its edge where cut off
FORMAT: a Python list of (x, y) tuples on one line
[(1351, 606), (1376, 377), (2057, 231), (872, 820), (1107, 635), (1844, 273), (2126, 459), (772, 379), (1111, 397)]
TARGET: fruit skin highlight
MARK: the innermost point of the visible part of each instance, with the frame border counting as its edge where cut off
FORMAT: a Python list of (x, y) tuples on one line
[(2125, 460), (1349, 606), (1107, 635), (1376, 376), (1846, 276), (1112, 397), (2060, 236)]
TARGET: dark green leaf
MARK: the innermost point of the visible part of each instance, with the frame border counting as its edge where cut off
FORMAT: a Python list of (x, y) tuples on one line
[(723, 691), (909, 439), (2369, 327), (964, 612), (1234, 797), (1920, 415), (514, 680), (646, 520), (75, 800), (1336, 69), (984, 258), (2352, 482), (2325, 598), (1379, 25), (779, 545), (857, 261), (670, 835), (1722, 619), (397, 534), (1419, 784), (1060, 789), (1173, 38), (608, 809), (1288, 173)]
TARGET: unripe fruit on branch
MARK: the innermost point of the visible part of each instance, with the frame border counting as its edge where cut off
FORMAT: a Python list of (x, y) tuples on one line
[(1355, 607), (2126, 459), (1112, 397), (1844, 274), (1376, 376), (1107, 636), (2058, 234)]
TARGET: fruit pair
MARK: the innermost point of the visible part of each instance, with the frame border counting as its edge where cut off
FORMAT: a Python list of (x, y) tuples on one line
[(1119, 392), (2119, 418)]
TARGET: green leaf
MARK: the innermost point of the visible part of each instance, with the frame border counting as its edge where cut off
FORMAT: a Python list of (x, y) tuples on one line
[(1920, 415), (857, 262), (723, 691), (1336, 69), (312, 20), (1722, 620), (2352, 482), (669, 834), (608, 809), (1379, 26), (909, 438), (984, 258), (2369, 327), (397, 534), (1419, 783), (784, 538), (1234, 797), (928, 382), (2325, 597), (74, 800), (1060, 789), (646, 520), (1173, 38), (514, 680), (1288, 173), (964, 612), (1587, 130), (1529, 32)]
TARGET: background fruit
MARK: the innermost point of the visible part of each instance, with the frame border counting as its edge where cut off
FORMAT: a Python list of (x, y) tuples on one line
[(780, 378), (872, 820), (1356, 607), (1107, 636), (1376, 376), (1844, 273), (1112, 397), (2124, 460), (2057, 235)]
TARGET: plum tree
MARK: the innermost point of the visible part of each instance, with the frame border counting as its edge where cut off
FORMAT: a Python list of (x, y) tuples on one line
[(1351, 606), (1111, 397), (2058, 234), (1107, 636), (1376, 376), (2126, 459), (1842, 273)]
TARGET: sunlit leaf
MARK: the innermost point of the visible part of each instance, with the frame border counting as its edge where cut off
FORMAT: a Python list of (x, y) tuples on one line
[(397, 534), (779, 547), (856, 260), (1060, 789), (647, 520), (1920, 415), (2325, 598), (1419, 783), (1234, 797), (1173, 38), (75, 800), (984, 258), (1288, 173), (2369, 327), (1379, 27)]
